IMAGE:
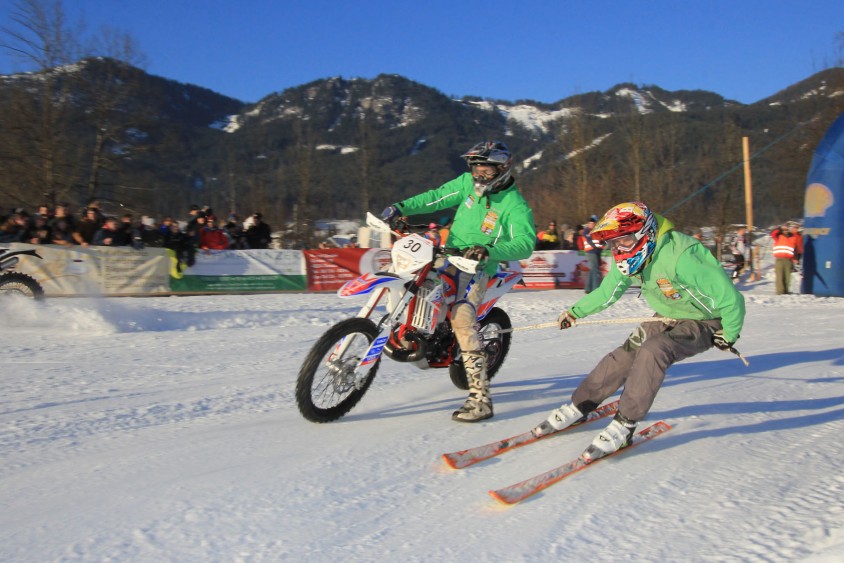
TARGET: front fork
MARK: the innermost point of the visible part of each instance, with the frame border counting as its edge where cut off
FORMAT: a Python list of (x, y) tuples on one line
[(377, 346), (385, 325)]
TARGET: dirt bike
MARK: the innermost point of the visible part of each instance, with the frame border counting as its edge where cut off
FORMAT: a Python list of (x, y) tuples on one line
[(16, 283), (416, 328)]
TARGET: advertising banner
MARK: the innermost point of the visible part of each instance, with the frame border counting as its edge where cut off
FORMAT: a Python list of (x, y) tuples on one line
[(110, 271), (329, 269), (556, 269), (97, 270), (241, 271)]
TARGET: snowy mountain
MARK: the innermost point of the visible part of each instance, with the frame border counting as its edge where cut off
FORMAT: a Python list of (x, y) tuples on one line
[(155, 146)]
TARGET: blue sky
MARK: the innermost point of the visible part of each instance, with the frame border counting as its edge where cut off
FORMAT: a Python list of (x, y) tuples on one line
[(547, 50)]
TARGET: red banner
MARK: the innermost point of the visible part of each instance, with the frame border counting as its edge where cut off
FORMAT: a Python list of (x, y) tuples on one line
[(329, 269)]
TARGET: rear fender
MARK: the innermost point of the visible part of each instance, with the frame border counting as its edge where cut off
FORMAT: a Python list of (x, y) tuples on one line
[(369, 282), (498, 285)]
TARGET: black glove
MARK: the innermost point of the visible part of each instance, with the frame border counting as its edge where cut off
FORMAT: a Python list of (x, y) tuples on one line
[(720, 342), (477, 252), (566, 320), (391, 216)]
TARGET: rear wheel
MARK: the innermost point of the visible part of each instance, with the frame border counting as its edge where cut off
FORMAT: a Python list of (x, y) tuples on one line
[(16, 283), (325, 388), (496, 344)]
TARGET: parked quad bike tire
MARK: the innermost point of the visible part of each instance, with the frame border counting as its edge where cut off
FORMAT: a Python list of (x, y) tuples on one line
[(496, 348), (16, 283), (324, 390)]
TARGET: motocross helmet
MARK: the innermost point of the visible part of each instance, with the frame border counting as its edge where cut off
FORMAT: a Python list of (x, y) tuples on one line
[(629, 229), (490, 153)]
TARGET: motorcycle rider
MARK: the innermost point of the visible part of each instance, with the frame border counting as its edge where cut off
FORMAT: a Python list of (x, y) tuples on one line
[(493, 223)]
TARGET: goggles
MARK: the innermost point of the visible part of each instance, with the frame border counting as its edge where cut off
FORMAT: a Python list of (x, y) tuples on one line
[(485, 171), (623, 244)]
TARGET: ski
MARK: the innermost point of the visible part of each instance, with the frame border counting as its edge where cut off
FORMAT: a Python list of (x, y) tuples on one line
[(529, 487), (465, 458)]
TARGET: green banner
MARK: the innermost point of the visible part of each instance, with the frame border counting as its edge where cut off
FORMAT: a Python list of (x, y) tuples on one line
[(237, 284)]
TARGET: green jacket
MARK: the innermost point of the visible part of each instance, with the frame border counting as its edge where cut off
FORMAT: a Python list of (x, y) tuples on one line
[(682, 280), (503, 221)]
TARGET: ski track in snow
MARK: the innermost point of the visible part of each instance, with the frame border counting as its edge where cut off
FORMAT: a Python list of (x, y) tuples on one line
[(165, 429)]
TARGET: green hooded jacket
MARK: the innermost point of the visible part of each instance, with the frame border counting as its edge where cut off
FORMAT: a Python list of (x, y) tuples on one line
[(502, 221), (681, 280)]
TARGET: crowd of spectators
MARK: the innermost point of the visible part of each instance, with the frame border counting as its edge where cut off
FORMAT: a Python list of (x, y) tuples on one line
[(202, 230), (566, 238)]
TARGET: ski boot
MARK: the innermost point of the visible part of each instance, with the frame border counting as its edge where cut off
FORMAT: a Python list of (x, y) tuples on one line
[(611, 439), (478, 405), (560, 418)]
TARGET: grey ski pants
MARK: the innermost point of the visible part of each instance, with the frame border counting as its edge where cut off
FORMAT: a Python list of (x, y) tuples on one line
[(640, 364)]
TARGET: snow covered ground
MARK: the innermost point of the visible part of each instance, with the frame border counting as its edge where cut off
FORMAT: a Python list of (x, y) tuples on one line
[(165, 429)]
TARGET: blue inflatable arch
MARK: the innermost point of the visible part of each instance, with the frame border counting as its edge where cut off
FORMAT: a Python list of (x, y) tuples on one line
[(823, 226)]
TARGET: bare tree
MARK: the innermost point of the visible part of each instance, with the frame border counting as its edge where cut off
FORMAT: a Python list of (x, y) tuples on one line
[(40, 36), (639, 151), (111, 93), (368, 154), (665, 175), (34, 162), (44, 149), (574, 170), (304, 169)]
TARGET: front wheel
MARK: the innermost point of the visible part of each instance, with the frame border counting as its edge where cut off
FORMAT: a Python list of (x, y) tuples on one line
[(16, 283), (325, 388), (495, 343)]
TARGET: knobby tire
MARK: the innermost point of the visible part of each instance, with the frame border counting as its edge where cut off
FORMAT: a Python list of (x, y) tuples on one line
[(323, 392)]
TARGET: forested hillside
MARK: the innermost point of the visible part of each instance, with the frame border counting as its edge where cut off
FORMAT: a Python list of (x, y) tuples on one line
[(102, 129)]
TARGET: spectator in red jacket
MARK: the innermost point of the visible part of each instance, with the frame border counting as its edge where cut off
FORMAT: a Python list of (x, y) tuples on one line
[(212, 237)]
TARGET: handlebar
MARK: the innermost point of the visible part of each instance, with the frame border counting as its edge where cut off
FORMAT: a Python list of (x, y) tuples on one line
[(452, 250), (379, 225)]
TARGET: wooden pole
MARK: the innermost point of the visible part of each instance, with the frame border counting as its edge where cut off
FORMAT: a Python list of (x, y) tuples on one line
[(748, 207)]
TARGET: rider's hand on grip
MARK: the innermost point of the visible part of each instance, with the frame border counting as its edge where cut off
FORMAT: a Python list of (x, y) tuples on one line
[(566, 320), (391, 216), (477, 252)]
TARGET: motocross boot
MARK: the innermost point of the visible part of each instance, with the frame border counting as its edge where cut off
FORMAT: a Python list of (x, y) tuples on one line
[(478, 405)]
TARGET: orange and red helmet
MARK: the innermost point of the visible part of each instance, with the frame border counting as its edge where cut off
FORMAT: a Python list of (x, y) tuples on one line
[(629, 229)]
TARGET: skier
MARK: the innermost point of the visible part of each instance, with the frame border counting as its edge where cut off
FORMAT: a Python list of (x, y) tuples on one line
[(681, 281), (493, 224)]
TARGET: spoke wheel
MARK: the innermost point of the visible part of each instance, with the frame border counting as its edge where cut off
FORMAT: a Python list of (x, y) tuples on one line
[(325, 388)]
